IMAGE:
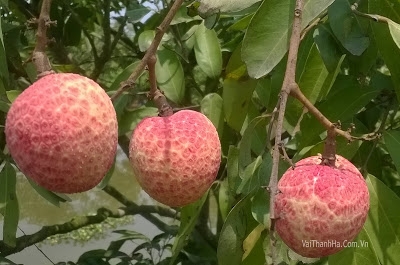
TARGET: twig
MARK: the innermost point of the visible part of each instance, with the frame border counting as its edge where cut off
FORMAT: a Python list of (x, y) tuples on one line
[(374, 17), (155, 94), (79, 222), (151, 51), (289, 82), (39, 57)]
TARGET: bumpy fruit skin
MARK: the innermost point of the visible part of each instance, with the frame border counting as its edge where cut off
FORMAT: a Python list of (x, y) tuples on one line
[(175, 159), (320, 205), (62, 132)]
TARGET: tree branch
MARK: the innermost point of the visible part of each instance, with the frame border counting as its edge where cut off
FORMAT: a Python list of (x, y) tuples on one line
[(160, 31), (289, 83), (79, 222), (39, 57)]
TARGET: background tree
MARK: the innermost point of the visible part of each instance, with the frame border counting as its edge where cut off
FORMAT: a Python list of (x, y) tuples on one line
[(231, 63)]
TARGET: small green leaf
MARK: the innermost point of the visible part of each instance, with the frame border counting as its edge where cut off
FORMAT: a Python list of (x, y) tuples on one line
[(131, 235), (208, 51), (248, 173), (49, 196), (130, 119), (235, 230), (346, 27), (13, 94), (225, 198), (9, 202), (237, 95), (3, 60), (189, 215), (170, 76), (145, 39), (395, 32), (212, 107)]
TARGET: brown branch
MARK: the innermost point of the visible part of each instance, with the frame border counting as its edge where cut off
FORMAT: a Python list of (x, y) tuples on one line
[(162, 211), (155, 94), (79, 222), (289, 83), (151, 51), (39, 57)]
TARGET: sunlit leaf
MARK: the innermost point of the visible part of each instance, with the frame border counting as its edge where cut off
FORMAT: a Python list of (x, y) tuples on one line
[(212, 107), (208, 51), (170, 76), (236, 96), (395, 32), (266, 39)]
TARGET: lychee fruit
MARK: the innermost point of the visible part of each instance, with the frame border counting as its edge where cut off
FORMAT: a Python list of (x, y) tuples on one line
[(175, 158), (62, 132), (321, 208)]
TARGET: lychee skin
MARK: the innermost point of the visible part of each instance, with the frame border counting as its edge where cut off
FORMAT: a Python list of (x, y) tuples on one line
[(175, 159), (321, 208), (62, 132)]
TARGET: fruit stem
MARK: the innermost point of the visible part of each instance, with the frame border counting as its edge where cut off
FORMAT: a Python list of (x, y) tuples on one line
[(39, 57), (155, 94), (329, 154)]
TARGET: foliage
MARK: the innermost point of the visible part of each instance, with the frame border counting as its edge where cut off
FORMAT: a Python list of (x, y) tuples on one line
[(230, 66)]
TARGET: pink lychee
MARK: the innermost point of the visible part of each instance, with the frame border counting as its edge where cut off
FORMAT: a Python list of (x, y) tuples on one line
[(176, 158), (62, 132), (321, 208)]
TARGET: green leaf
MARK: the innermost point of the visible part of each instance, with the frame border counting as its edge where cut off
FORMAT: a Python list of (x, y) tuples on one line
[(170, 76), (209, 7), (225, 198), (130, 119), (241, 24), (3, 60), (382, 225), (189, 215), (104, 182), (145, 39), (131, 235), (266, 39), (383, 38), (392, 142), (232, 168), (236, 68), (212, 107), (235, 230), (13, 94), (72, 32), (256, 130), (248, 173), (311, 79), (347, 97), (49, 196), (137, 12), (260, 207), (237, 96), (346, 27), (327, 47), (360, 251), (394, 29), (9, 204), (208, 51), (256, 255)]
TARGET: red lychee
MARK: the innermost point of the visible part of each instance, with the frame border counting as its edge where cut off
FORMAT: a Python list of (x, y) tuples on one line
[(175, 158), (321, 208), (62, 132)]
